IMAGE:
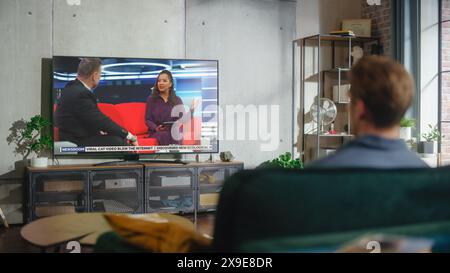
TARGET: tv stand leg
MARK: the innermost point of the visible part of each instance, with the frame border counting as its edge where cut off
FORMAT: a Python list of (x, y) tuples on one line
[(210, 159)]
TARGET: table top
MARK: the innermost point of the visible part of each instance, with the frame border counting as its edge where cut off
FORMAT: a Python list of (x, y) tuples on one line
[(55, 230)]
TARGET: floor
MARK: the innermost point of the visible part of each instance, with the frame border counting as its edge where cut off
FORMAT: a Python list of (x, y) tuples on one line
[(12, 242)]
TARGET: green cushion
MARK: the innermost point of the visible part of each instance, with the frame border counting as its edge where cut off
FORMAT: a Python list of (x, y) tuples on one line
[(266, 204), (331, 242), (111, 242)]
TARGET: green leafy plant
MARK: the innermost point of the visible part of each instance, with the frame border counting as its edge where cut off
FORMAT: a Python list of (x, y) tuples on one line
[(408, 122), (283, 161), (30, 137), (433, 135)]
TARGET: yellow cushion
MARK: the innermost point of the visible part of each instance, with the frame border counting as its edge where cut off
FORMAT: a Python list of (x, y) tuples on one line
[(159, 232)]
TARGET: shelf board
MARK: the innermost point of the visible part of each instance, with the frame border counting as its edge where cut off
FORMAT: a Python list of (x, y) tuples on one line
[(82, 167), (107, 194), (208, 186), (58, 192), (338, 38), (336, 70), (128, 189), (337, 135), (170, 210), (210, 189), (170, 188), (207, 208)]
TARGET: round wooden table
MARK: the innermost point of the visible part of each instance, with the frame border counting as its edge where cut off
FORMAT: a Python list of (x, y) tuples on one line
[(54, 231)]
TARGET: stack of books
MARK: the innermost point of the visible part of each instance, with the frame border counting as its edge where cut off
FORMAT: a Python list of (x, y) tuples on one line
[(343, 33)]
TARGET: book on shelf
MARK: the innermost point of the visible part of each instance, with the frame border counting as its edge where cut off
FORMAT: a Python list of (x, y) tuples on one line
[(343, 33), (167, 181), (120, 183), (209, 199), (44, 210), (63, 186), (343, 95)]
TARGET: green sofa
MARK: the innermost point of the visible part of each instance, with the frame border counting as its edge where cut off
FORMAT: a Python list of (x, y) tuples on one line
[(295, 211), (319, 210)]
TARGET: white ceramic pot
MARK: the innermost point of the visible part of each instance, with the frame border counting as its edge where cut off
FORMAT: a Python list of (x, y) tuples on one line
[(405, 133), (39, 162)]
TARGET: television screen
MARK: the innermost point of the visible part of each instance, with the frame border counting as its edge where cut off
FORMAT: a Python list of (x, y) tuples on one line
[(134, 105)]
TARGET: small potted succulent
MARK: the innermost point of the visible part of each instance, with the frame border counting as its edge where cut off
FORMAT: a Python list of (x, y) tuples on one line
[(431, 138), (30, 137), (406, 126)]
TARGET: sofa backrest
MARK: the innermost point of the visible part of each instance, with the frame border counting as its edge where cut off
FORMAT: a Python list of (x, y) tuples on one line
[(133, 115), (265, 204), (111, 111)]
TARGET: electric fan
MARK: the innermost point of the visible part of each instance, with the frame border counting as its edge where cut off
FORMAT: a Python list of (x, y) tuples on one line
[(327, 112)]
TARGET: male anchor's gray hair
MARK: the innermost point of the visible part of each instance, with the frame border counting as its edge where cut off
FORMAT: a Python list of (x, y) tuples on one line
[(88, 66)]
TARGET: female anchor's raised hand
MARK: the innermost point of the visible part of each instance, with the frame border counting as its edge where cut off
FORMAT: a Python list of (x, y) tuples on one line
[(195, 102)]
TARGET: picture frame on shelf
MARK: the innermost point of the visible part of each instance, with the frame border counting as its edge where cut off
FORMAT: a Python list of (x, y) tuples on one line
[(360, 27)]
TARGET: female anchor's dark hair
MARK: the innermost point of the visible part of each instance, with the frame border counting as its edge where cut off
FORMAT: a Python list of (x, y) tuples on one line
[(155, 91)]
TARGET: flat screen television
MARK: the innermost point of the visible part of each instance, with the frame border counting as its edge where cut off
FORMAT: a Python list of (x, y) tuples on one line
[(122, 96)]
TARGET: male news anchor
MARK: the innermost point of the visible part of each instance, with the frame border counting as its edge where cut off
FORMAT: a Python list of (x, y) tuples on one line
[(77, 114)]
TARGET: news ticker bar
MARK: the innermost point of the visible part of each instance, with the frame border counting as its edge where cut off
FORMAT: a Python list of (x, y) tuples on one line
[(134, 148)]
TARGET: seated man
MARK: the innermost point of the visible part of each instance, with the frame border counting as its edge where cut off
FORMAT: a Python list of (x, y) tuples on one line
[(77, 114), (381, 92)]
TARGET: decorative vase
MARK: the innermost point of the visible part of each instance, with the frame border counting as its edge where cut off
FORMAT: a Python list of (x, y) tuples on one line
[(405, 133), (39, 162), (425, 147)]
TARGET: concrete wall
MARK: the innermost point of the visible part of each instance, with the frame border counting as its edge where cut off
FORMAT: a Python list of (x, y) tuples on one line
[(117, 28), (253, 46), (25, 31), (251, 38)]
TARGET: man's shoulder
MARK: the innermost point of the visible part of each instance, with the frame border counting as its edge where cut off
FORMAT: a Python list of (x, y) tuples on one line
[(341, 156), (356, 155), (76, 89)]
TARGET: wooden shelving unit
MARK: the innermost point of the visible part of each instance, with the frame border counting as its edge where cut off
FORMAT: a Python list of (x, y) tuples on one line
[(325, 62)]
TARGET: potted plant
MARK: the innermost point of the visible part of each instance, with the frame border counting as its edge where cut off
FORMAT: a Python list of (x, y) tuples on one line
[(406, 125), (284, 161), (432, 137), (31, 137)]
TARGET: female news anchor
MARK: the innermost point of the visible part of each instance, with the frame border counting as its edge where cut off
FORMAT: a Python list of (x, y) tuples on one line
[(158, 112)]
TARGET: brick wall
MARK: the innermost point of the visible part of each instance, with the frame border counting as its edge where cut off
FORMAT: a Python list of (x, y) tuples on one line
[(446, 83), (381, 22)]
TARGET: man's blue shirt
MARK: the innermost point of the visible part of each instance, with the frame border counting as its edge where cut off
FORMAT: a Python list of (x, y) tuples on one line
[(370, 151)]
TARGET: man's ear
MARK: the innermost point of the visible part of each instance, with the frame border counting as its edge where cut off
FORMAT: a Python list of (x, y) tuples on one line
[(361, 110)]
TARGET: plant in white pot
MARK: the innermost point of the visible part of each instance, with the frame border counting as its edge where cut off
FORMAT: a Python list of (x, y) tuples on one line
[(406, 126), (431, 139), (32, 137)]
